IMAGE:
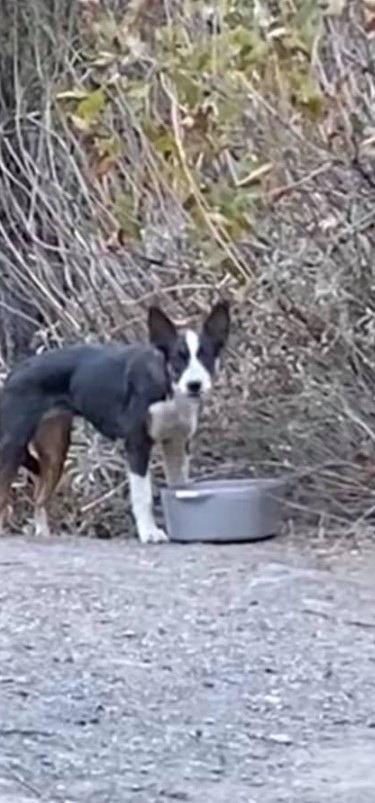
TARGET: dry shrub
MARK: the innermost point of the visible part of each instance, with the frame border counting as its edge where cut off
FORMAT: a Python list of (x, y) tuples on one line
[(182, 151)]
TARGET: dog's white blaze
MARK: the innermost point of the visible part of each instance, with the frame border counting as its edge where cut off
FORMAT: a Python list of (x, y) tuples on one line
[(195, 370), (141, 502)]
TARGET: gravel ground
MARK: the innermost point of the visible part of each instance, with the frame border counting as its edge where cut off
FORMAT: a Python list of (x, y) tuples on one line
[(172, 673)]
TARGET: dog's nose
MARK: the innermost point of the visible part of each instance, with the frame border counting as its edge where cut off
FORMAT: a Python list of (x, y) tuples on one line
[(194, 388)]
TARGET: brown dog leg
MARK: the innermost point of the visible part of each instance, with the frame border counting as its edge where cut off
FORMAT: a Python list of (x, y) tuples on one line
[(50, 443), (6, 478)]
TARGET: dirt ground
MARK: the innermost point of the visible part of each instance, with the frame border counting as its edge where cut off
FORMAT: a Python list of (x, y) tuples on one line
[(203, 674)]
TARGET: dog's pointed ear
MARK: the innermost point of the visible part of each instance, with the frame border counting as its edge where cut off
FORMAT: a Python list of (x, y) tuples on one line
[(217, 324), (162, 332)]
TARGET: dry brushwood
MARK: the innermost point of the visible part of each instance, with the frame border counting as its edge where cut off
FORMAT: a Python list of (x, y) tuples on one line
[(179, 150)]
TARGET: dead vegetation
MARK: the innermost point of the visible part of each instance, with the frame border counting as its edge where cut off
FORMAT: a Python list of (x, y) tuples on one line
[(182, 150)]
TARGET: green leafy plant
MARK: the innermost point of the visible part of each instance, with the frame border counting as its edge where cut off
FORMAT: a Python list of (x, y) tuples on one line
[(185, 88)]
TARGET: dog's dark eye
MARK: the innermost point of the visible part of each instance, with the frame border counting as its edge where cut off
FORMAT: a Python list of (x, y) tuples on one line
[(205, 357), (183, 353)]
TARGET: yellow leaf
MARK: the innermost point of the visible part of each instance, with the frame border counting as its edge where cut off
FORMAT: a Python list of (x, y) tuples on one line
[(126, 215), (234, 226), (71, 94), (108, 146), (103, 59), (189, 90), (278, 33), (241, 36), (90, 107), (105, 28), (308, 95), (83, 126), (139, 90), (104, 166), (166, 145)]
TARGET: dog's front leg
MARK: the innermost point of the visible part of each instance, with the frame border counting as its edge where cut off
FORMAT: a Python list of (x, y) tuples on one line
[(176, 460), (139, 451)]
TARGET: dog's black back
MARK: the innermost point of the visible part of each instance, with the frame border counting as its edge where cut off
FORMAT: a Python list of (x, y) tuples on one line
[(110, 386)]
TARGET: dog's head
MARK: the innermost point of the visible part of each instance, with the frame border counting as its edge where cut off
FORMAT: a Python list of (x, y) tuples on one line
[(192, 357)]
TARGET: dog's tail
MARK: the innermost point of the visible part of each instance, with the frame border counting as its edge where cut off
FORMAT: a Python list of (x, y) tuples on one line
[(29, 462)]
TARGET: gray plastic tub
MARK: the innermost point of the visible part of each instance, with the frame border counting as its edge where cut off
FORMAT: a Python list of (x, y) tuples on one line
[(224, 510)]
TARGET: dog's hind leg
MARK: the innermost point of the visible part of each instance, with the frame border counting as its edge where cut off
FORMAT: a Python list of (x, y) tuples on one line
[(5, 484), (19, 420), (11, 457), (51, 443)]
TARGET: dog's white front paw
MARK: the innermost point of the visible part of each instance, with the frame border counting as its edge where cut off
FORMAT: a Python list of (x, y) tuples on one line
[(153, 535), (41, 526)]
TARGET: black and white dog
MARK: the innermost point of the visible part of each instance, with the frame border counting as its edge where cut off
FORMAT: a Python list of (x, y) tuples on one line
[(140, 393)]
